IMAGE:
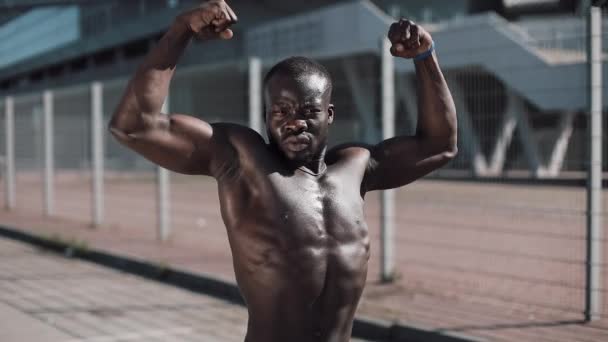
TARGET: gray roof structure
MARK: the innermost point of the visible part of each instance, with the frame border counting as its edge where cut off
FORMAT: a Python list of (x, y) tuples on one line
[(549, 78), (485, 40)]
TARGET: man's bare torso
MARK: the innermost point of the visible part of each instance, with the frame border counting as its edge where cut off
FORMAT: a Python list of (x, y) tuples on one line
[(299, 242)]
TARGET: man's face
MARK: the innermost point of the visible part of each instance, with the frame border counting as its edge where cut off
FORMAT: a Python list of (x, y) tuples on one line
[(298, 115)]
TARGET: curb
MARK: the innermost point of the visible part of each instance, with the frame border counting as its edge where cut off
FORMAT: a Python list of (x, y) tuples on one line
[(366, 328)]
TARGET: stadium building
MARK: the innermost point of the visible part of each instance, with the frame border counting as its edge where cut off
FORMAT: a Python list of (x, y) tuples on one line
[(517, 70)]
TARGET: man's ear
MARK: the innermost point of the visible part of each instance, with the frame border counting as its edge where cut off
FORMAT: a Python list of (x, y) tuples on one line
[(330, 113)]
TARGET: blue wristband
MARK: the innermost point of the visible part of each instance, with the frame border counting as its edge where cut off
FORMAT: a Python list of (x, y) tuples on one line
[(426, 54)]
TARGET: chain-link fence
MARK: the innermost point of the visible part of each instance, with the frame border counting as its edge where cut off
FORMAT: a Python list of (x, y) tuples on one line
[(72, 147), (28, 152), (518, 241)]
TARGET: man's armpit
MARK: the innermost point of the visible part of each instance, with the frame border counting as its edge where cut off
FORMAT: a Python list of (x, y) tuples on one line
[(367, 184), (227, 169), (225, 161)]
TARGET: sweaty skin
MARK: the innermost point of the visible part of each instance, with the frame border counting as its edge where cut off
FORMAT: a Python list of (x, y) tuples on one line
[(293, 210)]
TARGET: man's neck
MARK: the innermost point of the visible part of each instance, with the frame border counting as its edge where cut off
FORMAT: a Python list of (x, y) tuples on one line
[(316, 165)]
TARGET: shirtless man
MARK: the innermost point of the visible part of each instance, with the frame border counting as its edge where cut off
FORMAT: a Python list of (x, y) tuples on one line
[(293, 210)]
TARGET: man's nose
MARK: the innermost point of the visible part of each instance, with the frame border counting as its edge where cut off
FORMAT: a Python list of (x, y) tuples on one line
[(296, 126)]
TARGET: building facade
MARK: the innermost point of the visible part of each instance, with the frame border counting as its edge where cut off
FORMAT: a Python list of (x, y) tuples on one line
[(517, 70)]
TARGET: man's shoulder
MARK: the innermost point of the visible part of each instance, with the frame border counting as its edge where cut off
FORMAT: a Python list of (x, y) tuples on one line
[(348, 152), (237, 146), (238, 134)]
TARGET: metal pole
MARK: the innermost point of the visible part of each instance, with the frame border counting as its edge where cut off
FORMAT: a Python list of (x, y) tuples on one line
[(9, 123), (593, 294), (163, 202), (97, 130), (387, 197), (49, 193), (255, 94)]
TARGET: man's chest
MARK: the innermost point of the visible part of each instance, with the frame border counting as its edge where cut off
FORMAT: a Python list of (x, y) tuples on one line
[(324, 211), (321, 231), (309, 230)]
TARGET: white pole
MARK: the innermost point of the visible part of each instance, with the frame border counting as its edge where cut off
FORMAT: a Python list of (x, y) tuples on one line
[(9, 123), (255, 94), (593, 293), (387, 197), (97, 167), (49, 193), (163, 200)]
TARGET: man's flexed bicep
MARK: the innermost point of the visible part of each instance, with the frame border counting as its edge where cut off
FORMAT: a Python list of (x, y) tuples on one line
[(177, 142), (401, 160)]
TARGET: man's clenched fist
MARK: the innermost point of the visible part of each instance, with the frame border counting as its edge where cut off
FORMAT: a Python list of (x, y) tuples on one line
[(210, 20), (408, 39)]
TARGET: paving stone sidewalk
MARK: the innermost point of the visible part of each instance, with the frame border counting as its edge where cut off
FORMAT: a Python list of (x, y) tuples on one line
[(480, 268), (50, 298)]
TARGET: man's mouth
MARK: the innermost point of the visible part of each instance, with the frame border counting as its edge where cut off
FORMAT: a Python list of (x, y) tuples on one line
[(297, 143)]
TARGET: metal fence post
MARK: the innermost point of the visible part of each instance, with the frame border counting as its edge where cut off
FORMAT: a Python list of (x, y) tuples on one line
[(387, 197), (163, 200), (255, 94), (9, 123), (97, 130), (593, 294), (49, 186)]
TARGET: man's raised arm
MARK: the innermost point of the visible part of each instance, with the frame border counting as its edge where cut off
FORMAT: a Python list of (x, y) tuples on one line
[(177, 142), (401, 160)]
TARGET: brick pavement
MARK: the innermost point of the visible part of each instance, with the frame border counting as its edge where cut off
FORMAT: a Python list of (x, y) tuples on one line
[(49, 298), (494, 261)]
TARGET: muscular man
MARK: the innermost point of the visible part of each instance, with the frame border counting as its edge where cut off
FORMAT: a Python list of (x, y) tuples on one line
[(293, 210)]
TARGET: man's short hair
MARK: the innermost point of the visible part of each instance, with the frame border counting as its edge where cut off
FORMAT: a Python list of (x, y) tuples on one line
[(298, 66)]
